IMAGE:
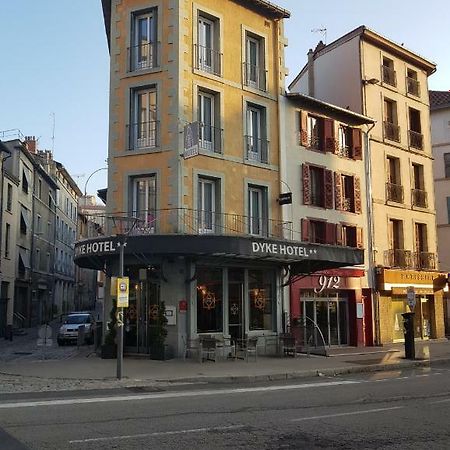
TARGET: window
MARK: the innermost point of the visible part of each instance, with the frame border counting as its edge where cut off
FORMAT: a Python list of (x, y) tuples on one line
[(38, 259), (9, 194), (39, 192), (206, 205), (257, 211), (209, 300), (391, 129), (48, 263), (345, 141), (49, 230), (143, 52), (257, 148), (208, 56), (421, 237), (38, 225), (423, 259), (24, 223), (348, 193), (144, 126), (415, 129), (418, 194), (317, 186), (144, 202), (7, 238), (254, 66), (24, 182), (396, 256), (261, 294), (349, 236), (388, 73), (209, 134), (317, 231), (315, 132), (412, 85), (447, 164), (448, 209), (394, 188)]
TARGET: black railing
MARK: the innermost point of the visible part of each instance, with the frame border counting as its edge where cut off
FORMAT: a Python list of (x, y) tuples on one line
[(415, 139), (255, 77), (210, 138), (399, 258), (143, 135), (419, 198), (394, 192), (256, 150), (425, 260), (391, 131), (143, 56), (413, 86), (389, 75), (208, 60), (311, 141)]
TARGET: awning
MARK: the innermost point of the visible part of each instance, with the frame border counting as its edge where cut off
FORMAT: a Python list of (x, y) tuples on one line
[(24, 217), (24, 258)]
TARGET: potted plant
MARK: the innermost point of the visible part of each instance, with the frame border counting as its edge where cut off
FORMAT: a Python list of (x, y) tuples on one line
[(109, 348), (158, 332)]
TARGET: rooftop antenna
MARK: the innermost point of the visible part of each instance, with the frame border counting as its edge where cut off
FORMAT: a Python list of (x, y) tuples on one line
[(322, 31), (53, 116)]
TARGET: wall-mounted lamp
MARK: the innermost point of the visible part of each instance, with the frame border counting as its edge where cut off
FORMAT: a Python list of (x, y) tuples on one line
[(371, 81)]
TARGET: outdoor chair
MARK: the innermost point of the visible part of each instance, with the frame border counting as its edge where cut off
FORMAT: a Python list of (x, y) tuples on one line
[(192, 349), (208, 349), (247, 347), (288, 345)]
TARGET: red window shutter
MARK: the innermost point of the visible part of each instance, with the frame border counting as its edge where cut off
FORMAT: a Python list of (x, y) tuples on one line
[(338, 190), (328, 184), (339, 239), (305, 230), (306, 185), (303, 128), (330, 142), (357, 194), (356, 143), (359, 238), (330, 233)]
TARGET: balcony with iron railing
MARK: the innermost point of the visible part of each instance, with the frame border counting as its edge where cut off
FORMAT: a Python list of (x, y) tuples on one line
[(255, 77), (391, 131), (195, 222), (310, 141), (208, 60), (143, 56), (413, 86), (425, 260), (419, 198), (389, 75), (415, 139), (210, 138), (143, 135), (256, 150), (400, 258), (394, 192)]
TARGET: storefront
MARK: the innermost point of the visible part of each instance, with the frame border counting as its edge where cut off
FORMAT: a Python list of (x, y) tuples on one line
[(221, 286), (428, 290)]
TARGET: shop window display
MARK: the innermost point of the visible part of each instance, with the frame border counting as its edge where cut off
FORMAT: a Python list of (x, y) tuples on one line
[(209, 300)]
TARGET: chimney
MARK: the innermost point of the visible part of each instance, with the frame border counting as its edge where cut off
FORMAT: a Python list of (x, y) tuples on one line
[(31, 144), (311, 73)]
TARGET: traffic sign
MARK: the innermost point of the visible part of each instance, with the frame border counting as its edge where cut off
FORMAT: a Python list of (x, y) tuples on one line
[(411, 297), (122, 292)]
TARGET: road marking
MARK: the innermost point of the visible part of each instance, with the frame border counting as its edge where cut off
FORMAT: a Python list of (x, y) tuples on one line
[(353, 413), (440, 401), (152, 396), (158, 433)]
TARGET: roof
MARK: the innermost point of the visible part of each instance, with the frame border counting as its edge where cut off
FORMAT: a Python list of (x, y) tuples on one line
[(380, 41), (439, 99), (355, 118)]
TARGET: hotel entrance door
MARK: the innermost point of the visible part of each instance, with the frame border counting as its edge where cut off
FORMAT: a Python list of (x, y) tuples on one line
[(236, 316)]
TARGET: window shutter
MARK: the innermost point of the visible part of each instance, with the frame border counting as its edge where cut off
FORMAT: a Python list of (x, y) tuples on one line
[(328, 189), (330, 233), (356, 143), (306, 185), (339, 239), (338, 190), (359, 237), (357, 194), (305, 230), (303, 128), (330, 143)]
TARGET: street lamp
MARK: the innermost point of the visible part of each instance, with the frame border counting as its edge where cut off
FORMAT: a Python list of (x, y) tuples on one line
[(90, 176)]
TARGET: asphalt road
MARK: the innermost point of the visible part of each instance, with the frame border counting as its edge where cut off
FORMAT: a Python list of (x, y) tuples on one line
[(401, 410)]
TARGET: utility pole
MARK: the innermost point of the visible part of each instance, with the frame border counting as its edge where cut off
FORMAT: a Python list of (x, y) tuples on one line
[(120, 312)]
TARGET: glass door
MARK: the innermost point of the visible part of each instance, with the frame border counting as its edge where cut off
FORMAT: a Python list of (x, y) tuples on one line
[(236, 315)]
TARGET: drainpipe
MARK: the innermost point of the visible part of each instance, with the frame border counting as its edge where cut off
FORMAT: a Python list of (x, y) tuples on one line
[(311, 77)]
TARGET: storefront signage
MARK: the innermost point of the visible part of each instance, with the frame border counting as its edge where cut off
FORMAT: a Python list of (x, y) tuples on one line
[(94, 248), (122, 292), (191, 140), (182, 305), (327, 282), (285, 198), (281, 249)]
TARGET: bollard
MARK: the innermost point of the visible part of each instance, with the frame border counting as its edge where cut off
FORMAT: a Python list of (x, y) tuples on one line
[(80, 339), (408, 324)]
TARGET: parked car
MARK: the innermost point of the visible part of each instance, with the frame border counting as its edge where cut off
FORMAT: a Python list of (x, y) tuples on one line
[(68, 332)]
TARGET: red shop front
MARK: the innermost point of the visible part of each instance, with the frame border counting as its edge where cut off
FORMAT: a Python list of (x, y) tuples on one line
[(336, 303)]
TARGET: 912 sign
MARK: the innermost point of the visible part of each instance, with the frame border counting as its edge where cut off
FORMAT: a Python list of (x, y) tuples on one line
[(327, 282)]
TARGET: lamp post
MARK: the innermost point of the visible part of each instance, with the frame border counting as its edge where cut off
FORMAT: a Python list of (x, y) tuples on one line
[(122, 246), (90, 176)]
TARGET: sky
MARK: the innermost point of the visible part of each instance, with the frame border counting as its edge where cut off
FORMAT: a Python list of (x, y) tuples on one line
[(54, 64)]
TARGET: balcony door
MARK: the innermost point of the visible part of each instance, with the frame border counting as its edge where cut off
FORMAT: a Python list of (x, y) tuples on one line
[(254, 133), (144, 41), (205, 44), (144, 127), (206, 119), (144, 203), (257, 211), (206, 205), (253, 50)]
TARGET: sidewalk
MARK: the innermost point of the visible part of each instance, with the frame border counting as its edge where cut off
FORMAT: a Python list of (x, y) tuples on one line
[(85, 370)]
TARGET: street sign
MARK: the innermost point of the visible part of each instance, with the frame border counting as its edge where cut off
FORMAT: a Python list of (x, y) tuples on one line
[(122, 292), (285, 198), (411, 297), (191, 140)]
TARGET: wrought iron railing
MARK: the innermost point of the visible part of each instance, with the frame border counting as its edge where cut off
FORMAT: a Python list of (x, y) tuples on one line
[(389, 75), (394, 192), (399, 258), (415, 139), (413, 86), (143, 135), (210, 138), (391, 131), (344, 151), (208, 60), (310, 141), (419, 198), (425, 260), (255, 76), (256, 150), (143, 56), (193, 221)]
